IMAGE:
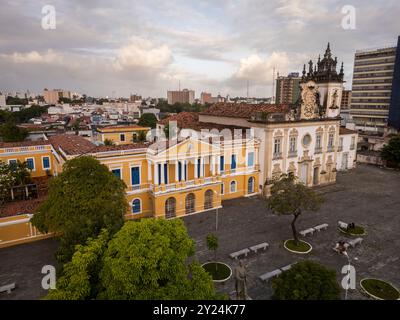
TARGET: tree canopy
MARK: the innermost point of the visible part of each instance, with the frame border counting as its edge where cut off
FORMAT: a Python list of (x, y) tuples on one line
[(10, 132), (148, 120), (288, 196), (82, 200), (306, 280), (146, 259), (391, 152)]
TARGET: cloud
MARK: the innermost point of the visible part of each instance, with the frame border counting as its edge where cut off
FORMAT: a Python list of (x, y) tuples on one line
[(142, 53)]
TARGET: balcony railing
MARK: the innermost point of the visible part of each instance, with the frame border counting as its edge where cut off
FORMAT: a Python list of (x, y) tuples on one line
[(277, 155), (318, 150), (331, 148), (292, 154), (352, 147)]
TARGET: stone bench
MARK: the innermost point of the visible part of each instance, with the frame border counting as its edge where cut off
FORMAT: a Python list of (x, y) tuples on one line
[(270, 275), (342, 225), (239, 253), (263, 245), (286, 268), (320, 227), (7, 288), (307, 231), (354, 242)]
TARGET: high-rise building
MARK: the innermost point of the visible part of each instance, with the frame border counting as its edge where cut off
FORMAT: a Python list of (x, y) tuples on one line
[(288, 88), (181, 96), (205, 97), (53, 96), (374, 104), (346, 97)]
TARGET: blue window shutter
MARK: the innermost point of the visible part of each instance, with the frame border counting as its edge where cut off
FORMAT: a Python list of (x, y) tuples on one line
[(46, 163), (185, 176), (233, 162), (117, 173), (165, 173), (159, 173), (30, 164), (179, 171), (222, 163), (135, 175), (136, 206), (198, 167), (250, 159)]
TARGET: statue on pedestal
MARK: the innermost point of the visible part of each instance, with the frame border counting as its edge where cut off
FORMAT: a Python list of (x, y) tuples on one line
[(241, 281)]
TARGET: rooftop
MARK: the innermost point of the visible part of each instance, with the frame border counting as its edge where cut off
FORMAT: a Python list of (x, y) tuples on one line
[(72, 144), (243, 110), (344, 130), (133, 127)]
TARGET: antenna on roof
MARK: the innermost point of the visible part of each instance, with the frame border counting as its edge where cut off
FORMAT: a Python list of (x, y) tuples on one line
[(273, 85)]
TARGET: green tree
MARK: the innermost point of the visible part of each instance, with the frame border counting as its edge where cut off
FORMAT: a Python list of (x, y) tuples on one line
[(148, 120), (82, 200), (306, 280), (21, 173), (212, 244), (147, 260), (391, 152), (288, 196), (109, 142), (79, 280), (7, 180), (142, 136), (10, 132)]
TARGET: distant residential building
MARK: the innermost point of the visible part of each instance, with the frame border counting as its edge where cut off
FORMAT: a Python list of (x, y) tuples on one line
[(288, 88), (121, 135), (135, 97), (205, 97), (346, 97), (53, 96), (183, 96), (374, 104), (2, 101)]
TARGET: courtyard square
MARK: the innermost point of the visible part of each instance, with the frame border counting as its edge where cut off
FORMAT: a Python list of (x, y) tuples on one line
[(367, 196)]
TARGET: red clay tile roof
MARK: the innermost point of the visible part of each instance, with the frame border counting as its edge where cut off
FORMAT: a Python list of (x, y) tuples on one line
[(139, 145), (243, 110), (72, 144), (25, 143), (183, 119), (343, 130)]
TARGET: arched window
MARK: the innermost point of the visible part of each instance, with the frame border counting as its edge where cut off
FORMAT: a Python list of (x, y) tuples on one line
[(208, 199), (190, 203), (136, 207), (250, 185), (170, 208), (233, 186)]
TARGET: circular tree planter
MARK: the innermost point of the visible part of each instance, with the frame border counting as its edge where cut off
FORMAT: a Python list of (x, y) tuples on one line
[(379, 289), (357, 231), (219, 271), (303, 247)]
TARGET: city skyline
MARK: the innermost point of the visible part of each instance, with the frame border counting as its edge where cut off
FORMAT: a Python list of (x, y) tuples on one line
[(215, 47)]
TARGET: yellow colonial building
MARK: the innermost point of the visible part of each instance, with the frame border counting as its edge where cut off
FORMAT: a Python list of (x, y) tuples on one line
[(121, 134)]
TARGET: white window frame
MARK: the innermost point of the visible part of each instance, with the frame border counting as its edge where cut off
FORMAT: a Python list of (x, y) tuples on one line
[(140, 202), (9, 160), (120, 170), (34, 164), (49, 168), (230, 186), (247, 159), (140, 175)]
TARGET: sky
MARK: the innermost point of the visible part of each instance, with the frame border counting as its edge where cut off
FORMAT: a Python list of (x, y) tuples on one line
[(115, 48)]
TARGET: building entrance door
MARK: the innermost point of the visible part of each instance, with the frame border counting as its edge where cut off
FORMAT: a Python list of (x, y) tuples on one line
[(303, 173), (316, 176), (345, 160)]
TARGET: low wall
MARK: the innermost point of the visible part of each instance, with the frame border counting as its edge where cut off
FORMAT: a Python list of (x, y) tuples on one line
[(18, 229)]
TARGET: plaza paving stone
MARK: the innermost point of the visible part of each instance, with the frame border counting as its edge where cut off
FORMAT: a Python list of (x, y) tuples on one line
[(368, 196)]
